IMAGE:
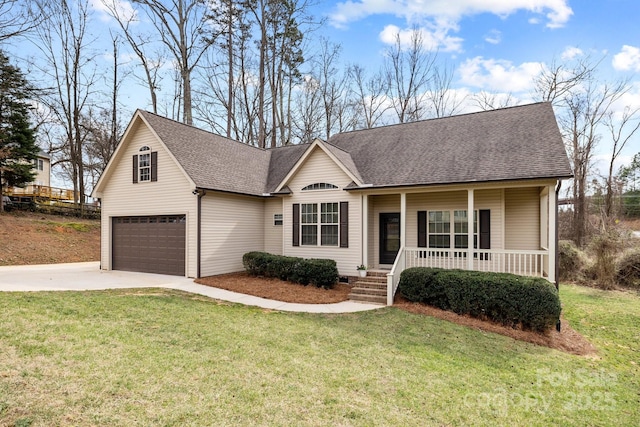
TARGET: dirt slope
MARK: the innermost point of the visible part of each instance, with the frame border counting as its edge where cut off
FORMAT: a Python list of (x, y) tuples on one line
[(32, 238)]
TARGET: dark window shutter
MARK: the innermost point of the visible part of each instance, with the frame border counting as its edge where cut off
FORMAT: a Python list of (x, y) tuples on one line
[(135, 168), (154, 166), (422, 229), (485, 228), (296, 224), (344, 224)]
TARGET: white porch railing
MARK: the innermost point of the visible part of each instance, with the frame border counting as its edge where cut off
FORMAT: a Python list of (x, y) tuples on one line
[(393, 278), (522, 263)]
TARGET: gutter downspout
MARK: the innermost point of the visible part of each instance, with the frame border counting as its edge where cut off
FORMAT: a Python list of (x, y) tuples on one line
[(201, 194), (557, 255)]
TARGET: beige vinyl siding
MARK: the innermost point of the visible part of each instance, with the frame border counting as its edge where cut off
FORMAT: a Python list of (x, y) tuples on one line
[(319, 167), (43, 177), (522, 218), (378, 205), (171, 194), (272, 233), (232, 225)]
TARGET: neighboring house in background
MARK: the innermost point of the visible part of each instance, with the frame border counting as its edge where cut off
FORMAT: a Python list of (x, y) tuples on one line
[(42, 167), (180, 200)]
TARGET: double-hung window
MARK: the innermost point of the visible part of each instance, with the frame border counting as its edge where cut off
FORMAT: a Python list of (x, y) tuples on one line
[(309, 220), (461, 229), (145, 165), (450, 229), (329, 224), (321, 224)]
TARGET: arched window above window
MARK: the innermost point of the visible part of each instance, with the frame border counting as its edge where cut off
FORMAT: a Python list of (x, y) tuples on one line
[(320, 186), (145, 148)]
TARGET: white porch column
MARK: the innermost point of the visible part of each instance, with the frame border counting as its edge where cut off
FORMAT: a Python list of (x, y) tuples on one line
[(403, 219), (552, 233), (365, 229), (470, 202)]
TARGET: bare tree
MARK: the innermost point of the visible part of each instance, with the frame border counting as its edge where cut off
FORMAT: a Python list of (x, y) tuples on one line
[(151, 60), (557, 80), (180, 24), (408, 71), (586, 108), (69, 64), (17, 17), (491, 101), (621, 130), (443, 100), (368, 97)]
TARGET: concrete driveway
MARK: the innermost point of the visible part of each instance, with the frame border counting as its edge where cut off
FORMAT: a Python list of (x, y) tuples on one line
[(87, 276)]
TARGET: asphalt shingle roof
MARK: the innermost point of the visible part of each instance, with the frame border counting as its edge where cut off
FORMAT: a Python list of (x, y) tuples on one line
[(507, 144), (212, 161)]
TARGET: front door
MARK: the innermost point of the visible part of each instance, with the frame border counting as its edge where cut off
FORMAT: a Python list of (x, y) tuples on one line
[(389, 237)]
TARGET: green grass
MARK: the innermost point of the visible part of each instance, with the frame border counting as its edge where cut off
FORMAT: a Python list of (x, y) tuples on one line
[(154, 357)]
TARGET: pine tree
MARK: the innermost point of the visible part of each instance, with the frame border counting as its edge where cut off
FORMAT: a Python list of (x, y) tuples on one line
[(18, 149)]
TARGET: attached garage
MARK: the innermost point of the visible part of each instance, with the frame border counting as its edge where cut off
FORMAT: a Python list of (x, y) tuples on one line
[(149, 244)]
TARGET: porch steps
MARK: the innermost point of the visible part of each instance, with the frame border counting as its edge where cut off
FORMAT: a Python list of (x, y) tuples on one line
[(370, 289)]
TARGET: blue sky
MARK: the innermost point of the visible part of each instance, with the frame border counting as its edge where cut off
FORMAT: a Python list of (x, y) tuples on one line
[(499, 45), (487, 34), (496, 46)]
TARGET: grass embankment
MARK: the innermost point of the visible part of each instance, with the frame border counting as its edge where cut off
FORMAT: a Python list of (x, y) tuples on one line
[(155, 357)]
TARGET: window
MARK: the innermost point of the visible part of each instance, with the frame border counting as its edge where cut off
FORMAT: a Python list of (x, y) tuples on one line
[(277, 219), (145, 165), (321, 224), (329, 221), (449, 229), (439, 229), (309, 220), (320, 186), (461, 228), (39, 163)]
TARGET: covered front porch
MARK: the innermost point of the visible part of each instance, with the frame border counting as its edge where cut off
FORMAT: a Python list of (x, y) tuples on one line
[(512, 229)]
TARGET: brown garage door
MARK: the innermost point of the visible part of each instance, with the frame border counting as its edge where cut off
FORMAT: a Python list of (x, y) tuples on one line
[(150, 244)]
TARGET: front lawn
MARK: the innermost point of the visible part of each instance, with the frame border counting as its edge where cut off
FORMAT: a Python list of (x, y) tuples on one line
[(155, 357)]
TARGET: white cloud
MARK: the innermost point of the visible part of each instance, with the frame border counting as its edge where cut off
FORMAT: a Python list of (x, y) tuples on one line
[(493, 37), (627, 59), (499, 75), (557, 12), (571, 52), (123, 8), (432, 39)]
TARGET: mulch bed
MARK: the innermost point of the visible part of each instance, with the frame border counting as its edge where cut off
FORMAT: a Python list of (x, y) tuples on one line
[(568, 340), (276, 289)]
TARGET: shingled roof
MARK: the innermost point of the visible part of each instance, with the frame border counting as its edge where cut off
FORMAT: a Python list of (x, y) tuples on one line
[(506, 144), (212, 161)]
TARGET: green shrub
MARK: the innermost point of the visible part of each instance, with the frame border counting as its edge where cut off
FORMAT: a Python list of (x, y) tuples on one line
[(628, 269), (530, 302), (322, 273)]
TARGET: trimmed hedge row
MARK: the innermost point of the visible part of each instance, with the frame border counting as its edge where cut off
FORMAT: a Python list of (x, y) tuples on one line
[(322, 273), (531, 302)]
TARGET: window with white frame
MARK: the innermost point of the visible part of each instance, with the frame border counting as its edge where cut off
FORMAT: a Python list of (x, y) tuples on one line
[(277, 219), (439, 229), (144, 164), (446, 227), (461, 229), (329, 224), (309, 221), (320, 186), (323, 228)]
